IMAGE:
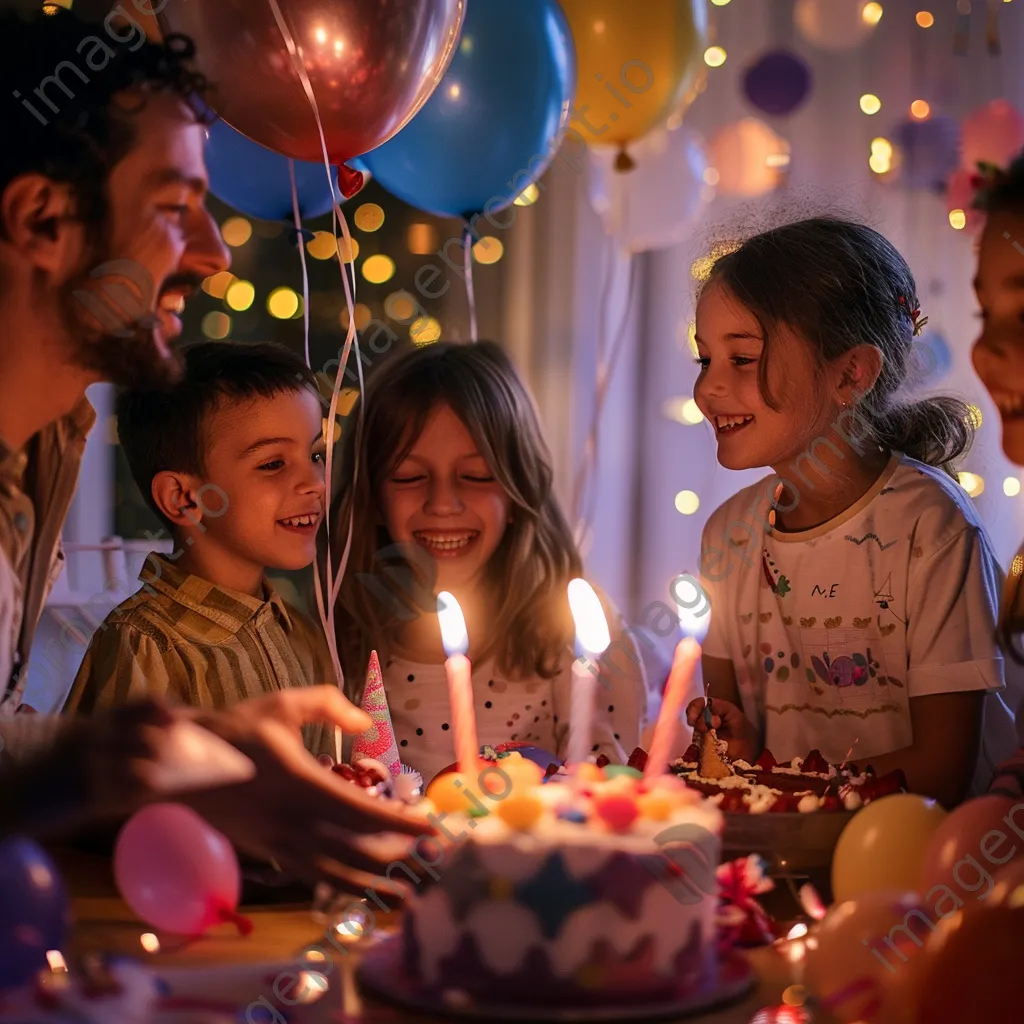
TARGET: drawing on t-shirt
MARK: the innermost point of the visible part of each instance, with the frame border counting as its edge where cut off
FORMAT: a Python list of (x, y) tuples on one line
[(780, 587), (883, 598), (850, 668), (871, 536)]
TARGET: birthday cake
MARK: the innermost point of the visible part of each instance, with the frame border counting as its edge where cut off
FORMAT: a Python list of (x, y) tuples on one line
[(592, 889), (804, 784)]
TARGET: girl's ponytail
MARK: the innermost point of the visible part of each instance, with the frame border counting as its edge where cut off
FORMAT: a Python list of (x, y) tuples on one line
[(936, 431)]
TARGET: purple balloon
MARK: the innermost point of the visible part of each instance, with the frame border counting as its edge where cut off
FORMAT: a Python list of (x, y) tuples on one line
[(931, 151), (778, 82), (34, 913)]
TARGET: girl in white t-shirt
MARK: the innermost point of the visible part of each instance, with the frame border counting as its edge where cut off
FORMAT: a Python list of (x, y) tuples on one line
[(454, 492), (854, 592)]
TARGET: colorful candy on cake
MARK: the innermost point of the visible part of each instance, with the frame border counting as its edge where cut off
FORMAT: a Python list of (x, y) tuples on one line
[(592, 888), (804, 784)]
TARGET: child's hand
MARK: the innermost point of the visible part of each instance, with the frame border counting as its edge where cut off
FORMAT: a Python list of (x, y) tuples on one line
[(730, 724)]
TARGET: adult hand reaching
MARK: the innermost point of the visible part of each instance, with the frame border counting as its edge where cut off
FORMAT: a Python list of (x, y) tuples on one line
[(295, 811)]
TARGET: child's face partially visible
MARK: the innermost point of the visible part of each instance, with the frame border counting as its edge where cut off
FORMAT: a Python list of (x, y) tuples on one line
[(998, 353), (444, 498), (268, 457), (749, 432)]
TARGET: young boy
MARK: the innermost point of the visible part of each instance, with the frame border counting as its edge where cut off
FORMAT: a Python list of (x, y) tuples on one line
[(232, 460)]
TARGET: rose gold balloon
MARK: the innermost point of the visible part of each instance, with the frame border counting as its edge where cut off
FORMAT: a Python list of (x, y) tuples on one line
[(371, 63)]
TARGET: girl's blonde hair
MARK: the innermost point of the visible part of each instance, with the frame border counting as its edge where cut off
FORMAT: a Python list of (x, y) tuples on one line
[(531, 625)]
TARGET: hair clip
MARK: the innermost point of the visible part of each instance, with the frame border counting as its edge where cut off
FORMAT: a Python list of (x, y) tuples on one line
[(916, 319)]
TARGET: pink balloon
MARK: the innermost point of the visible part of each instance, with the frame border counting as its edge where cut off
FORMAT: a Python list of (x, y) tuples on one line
[(176, 873), (970, 845), (992, 134)]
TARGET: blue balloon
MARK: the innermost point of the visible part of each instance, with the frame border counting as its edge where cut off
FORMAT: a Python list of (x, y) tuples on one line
[(34, 913), (931, 151), (495, 122), (256, 181), (778, 83)]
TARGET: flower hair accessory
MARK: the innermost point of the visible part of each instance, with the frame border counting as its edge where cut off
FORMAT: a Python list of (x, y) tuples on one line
[(985, 181), (915, 315)]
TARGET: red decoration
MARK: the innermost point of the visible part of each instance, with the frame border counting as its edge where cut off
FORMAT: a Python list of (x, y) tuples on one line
[(766, 762)]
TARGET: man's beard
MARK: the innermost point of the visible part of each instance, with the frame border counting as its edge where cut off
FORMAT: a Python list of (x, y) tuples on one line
[(112, 328)]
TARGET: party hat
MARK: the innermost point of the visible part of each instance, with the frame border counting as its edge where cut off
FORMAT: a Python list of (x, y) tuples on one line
[(379, 740)]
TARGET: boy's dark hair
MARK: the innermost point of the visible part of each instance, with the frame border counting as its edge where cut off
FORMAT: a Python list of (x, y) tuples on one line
[(58, 81), (1005, 192), (839, 284), (163, 430)]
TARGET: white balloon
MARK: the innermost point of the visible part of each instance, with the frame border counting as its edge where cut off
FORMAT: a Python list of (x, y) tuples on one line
[(833, 24), (653, 205)]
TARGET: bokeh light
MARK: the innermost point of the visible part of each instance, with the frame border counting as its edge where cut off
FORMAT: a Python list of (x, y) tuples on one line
[(217, 284), (363, 316), (421, 239), (957, 219), (283, 303), (378, 269), (1011, 487), (972, 483), (870, 103), (369, 217), (488, 250), (714, 56), (872, 13), (424, 330), (400, 306), (921, 109), (682, 410), (322, 246), (528, 196), (216, 325), (236, 231), (925, 19), (687, 502), (240, 295)]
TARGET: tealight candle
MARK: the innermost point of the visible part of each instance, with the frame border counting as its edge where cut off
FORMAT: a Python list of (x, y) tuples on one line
[(592, 640), (460, 683)]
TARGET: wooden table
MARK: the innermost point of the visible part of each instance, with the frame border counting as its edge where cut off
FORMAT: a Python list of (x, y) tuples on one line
[(104, 923)]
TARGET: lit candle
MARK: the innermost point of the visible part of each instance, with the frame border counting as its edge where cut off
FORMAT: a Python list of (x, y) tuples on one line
[(592, 641), (680, 681), (460, 683), (692, 605)]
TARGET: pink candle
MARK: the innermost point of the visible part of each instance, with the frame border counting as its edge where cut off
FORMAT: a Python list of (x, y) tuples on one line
[(684, 665), (460, 682)]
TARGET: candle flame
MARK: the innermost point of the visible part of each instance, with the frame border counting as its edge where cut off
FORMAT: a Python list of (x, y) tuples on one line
[(588, 615), (56, 961), (149, 942), (798, 931), (693, 606), (453, 624)]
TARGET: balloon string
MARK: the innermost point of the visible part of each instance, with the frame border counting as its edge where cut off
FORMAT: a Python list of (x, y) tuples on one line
[(467, 260), (302, 260), (240, 921), (326, 613)]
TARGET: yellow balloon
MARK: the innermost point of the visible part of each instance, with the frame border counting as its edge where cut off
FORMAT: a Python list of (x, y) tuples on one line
[(637, 62), (883, 846)]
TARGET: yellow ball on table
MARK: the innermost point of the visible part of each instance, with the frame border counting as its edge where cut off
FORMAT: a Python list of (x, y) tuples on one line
[(520, 810), (448, 793)]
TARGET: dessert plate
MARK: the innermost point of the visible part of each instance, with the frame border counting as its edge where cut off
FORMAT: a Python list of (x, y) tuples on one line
[(384, 976)]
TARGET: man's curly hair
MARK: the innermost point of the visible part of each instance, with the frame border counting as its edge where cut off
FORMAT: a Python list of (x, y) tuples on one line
[(88, 134)]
